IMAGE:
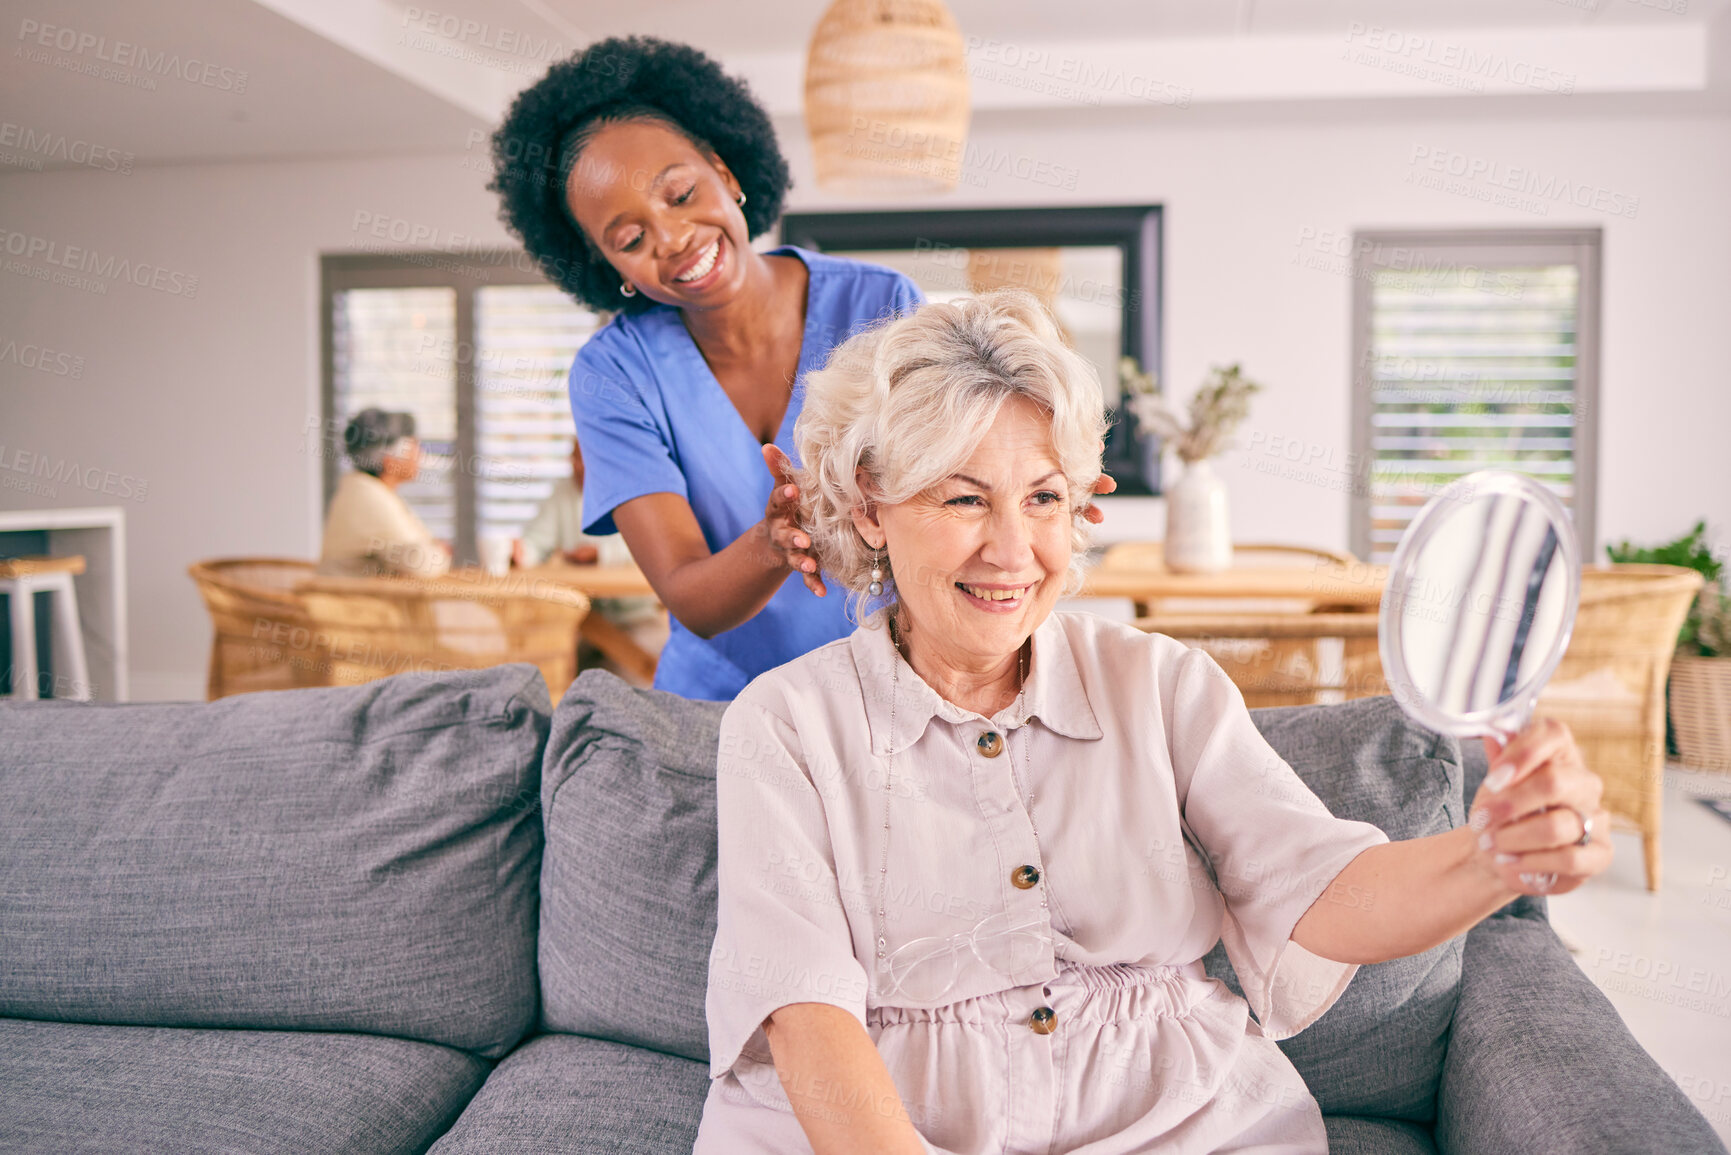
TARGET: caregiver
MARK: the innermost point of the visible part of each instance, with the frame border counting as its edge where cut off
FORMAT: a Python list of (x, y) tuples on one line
[(636, 173)]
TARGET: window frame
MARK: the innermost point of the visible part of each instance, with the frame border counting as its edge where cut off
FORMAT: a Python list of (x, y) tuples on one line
[(1135, 230), (466, 273), (1488, 248)]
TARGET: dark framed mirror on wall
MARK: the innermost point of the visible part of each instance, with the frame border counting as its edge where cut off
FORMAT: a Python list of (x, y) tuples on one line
[(1097, 269)]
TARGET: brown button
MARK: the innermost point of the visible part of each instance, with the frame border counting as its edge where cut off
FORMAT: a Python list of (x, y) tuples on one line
[(1043, 1021), (991, 743), (1025, 877)]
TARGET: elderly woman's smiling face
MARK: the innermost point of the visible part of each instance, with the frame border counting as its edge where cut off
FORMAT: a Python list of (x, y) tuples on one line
[(981, 558)]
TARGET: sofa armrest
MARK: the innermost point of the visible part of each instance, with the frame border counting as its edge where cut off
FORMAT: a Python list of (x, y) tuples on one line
[(1540, 1062)]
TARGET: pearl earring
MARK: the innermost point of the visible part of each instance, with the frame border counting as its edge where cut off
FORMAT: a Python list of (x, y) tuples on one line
[(740, 199), (876, 588), (628, 288)]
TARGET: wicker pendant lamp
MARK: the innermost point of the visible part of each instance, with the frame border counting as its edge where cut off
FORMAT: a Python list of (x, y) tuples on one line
[(886, 97)]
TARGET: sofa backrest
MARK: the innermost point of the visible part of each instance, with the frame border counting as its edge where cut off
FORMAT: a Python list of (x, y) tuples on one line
[(628, 882), (355, 859)]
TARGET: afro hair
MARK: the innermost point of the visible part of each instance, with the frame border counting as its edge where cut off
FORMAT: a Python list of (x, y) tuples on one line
[(629, 77)]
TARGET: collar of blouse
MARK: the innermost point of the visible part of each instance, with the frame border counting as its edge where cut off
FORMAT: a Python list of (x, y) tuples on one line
[(1055, 693)]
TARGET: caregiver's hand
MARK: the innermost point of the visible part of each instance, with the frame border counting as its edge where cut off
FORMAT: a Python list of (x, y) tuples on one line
[(789, 542), (1092, 512), (1533, 808)]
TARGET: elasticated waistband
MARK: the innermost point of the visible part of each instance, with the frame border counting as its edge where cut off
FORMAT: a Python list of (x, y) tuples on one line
[(1078, 993)]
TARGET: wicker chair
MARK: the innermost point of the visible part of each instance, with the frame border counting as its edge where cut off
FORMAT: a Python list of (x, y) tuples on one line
[(368, 628), (1277, 652), (1610, 686), (261, 632)]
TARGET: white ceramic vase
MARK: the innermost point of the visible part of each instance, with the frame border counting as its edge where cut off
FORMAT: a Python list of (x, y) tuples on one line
[(1198, 525)]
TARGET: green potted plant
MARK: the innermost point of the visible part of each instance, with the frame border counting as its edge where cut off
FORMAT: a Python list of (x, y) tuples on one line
[(1699, 691)]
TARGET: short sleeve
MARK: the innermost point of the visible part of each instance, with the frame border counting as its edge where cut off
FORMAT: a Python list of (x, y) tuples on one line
[(781, 934), (1272, 845), (625, 451)]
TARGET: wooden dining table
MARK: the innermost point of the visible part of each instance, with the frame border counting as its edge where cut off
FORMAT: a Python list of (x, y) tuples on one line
[(1328, 586)]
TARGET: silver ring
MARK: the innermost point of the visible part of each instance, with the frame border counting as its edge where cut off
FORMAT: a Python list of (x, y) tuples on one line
[(1586, 827)]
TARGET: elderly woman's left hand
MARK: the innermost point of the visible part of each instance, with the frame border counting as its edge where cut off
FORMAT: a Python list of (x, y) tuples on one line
[(1533, 807)]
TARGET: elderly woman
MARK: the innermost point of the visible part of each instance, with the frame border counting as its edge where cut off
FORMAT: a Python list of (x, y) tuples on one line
[(972, 855), (370, 531)]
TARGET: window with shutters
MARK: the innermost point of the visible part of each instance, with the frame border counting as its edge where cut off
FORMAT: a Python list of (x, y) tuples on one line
[(478, 349), (1472, 350)]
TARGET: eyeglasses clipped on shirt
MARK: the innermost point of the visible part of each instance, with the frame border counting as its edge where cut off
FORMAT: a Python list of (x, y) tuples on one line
[(927, 969)]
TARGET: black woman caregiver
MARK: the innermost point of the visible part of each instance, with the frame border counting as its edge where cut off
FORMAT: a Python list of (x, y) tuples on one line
[(636, 174)]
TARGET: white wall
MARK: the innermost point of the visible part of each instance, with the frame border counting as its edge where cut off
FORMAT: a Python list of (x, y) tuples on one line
[(207, 399)]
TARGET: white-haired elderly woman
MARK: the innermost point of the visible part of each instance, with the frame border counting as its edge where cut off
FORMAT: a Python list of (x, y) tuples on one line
[(972, 855)]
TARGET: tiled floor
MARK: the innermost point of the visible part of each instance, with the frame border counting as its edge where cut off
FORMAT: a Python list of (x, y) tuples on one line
[(1664, 960)]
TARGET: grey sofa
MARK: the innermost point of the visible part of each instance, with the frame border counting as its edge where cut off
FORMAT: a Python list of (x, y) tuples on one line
[(426, 913)]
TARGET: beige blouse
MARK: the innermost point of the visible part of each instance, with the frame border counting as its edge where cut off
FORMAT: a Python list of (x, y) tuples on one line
[(1129, 777), (371, 531)]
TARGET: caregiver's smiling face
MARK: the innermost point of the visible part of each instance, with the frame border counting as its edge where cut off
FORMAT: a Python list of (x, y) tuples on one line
[(981, 558), (662, 212)]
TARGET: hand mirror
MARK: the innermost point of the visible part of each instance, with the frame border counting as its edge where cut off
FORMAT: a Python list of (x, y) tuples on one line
[(1480, 600)]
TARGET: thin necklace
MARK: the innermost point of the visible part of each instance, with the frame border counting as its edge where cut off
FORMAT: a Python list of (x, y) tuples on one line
[(890, 777)]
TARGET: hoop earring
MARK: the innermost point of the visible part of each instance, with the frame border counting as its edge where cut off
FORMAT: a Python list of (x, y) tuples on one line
[(740, 199), (628, 288), (876, 588)]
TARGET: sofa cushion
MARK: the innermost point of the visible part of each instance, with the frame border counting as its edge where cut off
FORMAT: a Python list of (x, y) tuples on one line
[(566, 1093), (354, 859), (1367, 761), (628, 881), (75, 1087), (1357, 1135)]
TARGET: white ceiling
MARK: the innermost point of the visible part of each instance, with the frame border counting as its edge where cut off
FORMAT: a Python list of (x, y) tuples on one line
[(327, 78), (304, 95), (754, 26)]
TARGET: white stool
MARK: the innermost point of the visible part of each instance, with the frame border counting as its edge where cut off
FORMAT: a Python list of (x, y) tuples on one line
[(21, 579)]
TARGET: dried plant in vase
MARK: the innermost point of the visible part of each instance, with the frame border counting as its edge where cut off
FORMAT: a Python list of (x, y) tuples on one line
[(1198, 525), (1206, 427)]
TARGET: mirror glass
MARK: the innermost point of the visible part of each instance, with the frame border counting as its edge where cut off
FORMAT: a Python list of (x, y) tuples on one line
[(1480, 600)]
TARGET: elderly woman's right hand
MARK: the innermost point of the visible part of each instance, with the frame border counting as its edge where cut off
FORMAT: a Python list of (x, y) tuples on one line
[(781, 526)]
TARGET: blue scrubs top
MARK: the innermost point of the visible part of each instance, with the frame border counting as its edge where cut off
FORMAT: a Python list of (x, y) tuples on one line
[(652, 418)]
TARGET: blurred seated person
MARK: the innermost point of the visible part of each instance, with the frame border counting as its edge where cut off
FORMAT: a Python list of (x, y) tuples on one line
[(555, 533), (370, 531), (556, 530)]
